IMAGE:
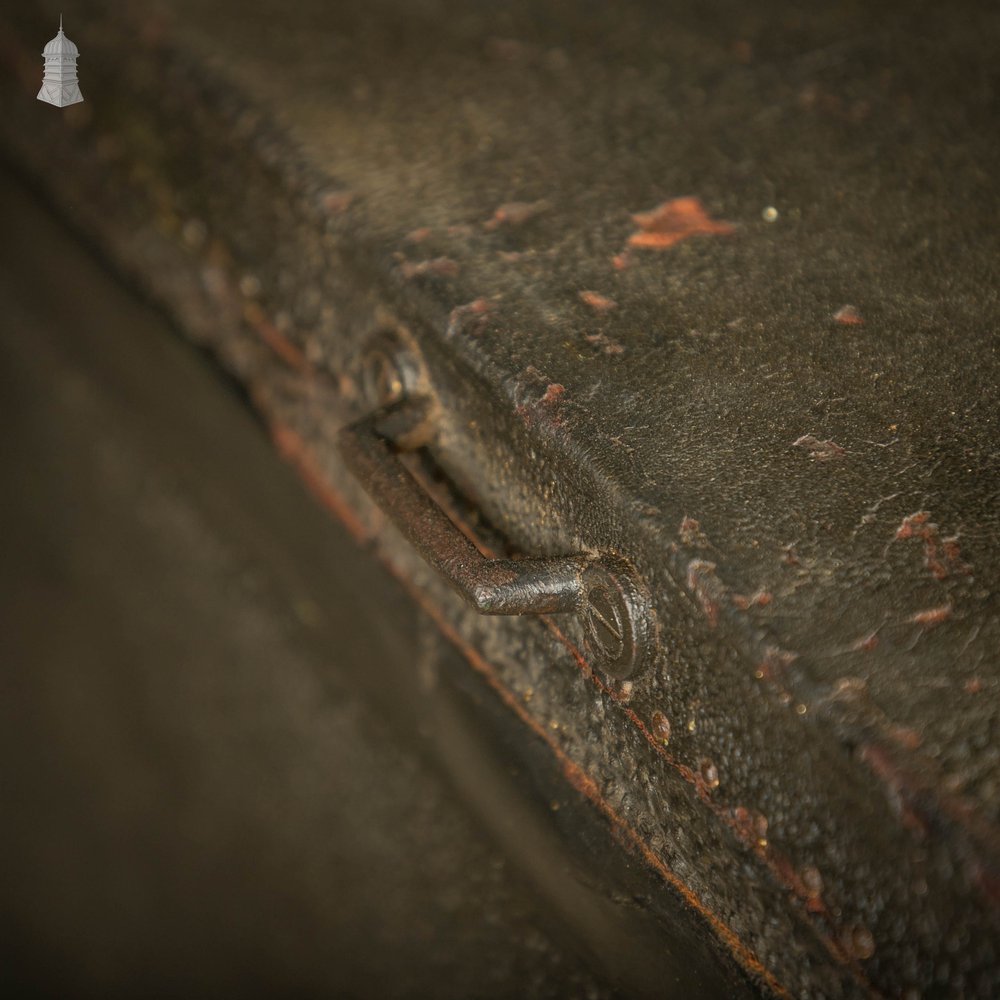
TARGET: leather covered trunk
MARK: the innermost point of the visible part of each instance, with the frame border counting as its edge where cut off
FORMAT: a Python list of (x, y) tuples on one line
[(665, 334)]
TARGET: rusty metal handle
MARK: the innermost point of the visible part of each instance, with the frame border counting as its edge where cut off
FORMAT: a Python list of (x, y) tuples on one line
[(491, 586), (618, 623)]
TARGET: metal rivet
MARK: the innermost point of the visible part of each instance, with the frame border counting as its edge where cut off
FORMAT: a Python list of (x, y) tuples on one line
[(617, 618)]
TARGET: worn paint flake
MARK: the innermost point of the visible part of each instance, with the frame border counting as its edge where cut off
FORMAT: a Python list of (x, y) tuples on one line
[(514, 213), (672, 221), (437, 267), (819, 451), (599, 303)]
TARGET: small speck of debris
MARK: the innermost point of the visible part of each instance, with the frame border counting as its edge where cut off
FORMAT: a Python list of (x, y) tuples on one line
[(709, 773), (419, 235), (973, 685), (514, 213), (820, 451), (770, 214), (661, 727), (437, 267), (860, 942), (599, 303), (621, 261), (848, 316)]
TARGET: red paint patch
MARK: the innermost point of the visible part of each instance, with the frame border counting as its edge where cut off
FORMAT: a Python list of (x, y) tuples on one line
[(912, 524), (759, 600), (848, 316), (553, 394), (702, 581), (438, 267), (819, 451), (866, 643), (932, 616), (469, 318), (775, 662), (336, 202), (599, 303), (606, 344), (690, 532), (673, 221), (515, 213), (750, 826), (942, 556)]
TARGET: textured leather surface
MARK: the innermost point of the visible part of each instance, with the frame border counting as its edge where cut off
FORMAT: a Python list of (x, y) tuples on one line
[(811, 490)]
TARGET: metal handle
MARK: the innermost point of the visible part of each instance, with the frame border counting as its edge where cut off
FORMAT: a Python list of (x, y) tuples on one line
[(491, 586), (616, 615)]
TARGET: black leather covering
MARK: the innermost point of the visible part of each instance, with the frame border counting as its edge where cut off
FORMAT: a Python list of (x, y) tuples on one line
[(776, 397)]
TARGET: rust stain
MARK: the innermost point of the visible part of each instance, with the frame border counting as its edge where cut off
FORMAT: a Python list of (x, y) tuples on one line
[(599, 303), (672, 221)]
